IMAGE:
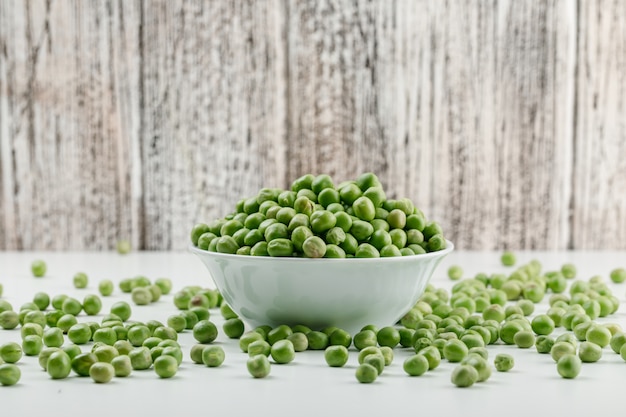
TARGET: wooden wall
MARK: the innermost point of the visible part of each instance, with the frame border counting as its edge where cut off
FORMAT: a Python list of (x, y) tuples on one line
[(504, 120)]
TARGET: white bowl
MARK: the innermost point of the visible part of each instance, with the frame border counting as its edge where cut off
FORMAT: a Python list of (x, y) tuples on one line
[(346, 293)]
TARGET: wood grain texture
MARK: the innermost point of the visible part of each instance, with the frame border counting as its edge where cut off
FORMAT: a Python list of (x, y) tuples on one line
[(466, 107), (599, 181), (69, 107), (502, 119), (212, 114)]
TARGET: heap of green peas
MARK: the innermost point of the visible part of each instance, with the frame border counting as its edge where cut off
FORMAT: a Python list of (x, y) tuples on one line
[(316, 218)]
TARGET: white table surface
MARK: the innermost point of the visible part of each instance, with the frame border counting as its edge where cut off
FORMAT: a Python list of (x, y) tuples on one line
[(307, 386)]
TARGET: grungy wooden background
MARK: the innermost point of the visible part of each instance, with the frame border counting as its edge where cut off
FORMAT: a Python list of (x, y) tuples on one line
[(504, 120)]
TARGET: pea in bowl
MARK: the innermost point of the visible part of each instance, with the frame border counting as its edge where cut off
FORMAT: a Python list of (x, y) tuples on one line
[(346, 293)]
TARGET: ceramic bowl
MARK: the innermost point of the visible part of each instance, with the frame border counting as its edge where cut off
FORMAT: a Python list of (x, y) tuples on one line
[(346, 293)]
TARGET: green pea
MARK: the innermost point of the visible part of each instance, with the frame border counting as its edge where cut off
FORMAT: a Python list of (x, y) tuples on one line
[(388, 336), (328, 196), (122, 310), (524, 339), (280, 247), (503, 362), (259, 347), (599, 335), (350, 193), (361, 230), (433, 356), (350, 245), (205, 331), (366, 373), (283, 351), (32, 345), (568, 366), (336, 355), (365, 250), (140, 358), (213, 356), (299, 341), (618, 275), (165, 366), (508, 258), (314, 247), (343, 220), (82, 362), (544, 344), (617, 341), (455, 350), (102, 372), (9, 374), (41, 300), (53, 337), (258, 366), (59, 365), (233, 328), (317, 340), (560, 349), (9, 320), (38, 268), (246, 339), (286, 198), (464, 376), (10, 352)]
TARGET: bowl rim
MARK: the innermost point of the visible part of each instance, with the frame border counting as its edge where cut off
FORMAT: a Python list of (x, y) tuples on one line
[(422, 256)]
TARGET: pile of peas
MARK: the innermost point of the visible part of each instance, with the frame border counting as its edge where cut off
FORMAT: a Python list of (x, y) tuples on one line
[(317, 219), (456, 326)]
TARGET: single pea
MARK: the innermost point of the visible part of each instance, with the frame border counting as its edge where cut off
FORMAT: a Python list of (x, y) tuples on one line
[(138, 334), (80, 280), (568, 366), (59, 365), (41, 300), (205, 331), (503, 362), (508, 258), (105, 287), (101, 372), (191, 319), (366, 373), (415, 365), (72, 306), (589, 352), (524, 339), (140, 358), (340, 337), (618, 275), (165, 366), (617, 341), (105, 335), (9, 374), (9, 320), (568, 270), (314, 247), (259, 347), (165, 333), (283, 351), (336, 355), (560, 349), (123, 347), (544, 344), (122, 366), (317, 340), (44, 355), (455, 350), (299, 340), (10, 352), (122, 310), (32, 345), (433, 355), (480, 364), (105, 353), (599, 335), (455, 272), (388, 336), (464, 376), (365, 338), (195, 353), (141, 296), (82, 362), (92, 304), (53, 337), (38, 268), (258, 366), (213, 356)]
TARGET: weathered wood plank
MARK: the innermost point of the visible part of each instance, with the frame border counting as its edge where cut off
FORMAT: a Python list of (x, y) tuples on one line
[(213, 111), (69, 123), (466, 107), (599, 181)]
